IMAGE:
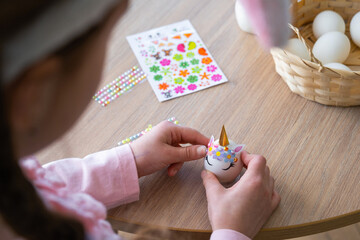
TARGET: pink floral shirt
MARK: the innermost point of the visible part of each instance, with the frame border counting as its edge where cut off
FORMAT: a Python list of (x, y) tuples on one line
[(84, 188)]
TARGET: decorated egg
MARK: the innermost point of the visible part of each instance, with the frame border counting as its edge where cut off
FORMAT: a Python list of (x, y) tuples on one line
[(355, 29), (328, 21), (223, 158), (332, 47)]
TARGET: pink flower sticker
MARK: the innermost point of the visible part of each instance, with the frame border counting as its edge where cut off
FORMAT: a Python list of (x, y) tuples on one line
[(216, 77), (174, 67), (211, 68), (165, 62), (192, 87), (179, 89)]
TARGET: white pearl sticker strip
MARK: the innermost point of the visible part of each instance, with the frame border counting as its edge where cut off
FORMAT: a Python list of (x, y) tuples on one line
[(136, 136), (119, 86)]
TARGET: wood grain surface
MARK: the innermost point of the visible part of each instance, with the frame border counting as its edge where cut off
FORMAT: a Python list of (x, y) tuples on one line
[(312, 150)]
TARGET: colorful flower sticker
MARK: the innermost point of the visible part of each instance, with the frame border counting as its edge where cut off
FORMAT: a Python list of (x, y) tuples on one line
[(165, 71), (178, 80), (152, 49), (192, 87), (196, 69), (206, 60), (154, 69), (174, 67), (216, 77), (194, 61), (144, 53), (184, 73), (168, 78), (163, 86), (211, 68), (204, 83), (190, 55), (184, 64), (149, 61), (165, 62), (192, 78), (158, 77), (205, 76), (179, 89), (178, 57)]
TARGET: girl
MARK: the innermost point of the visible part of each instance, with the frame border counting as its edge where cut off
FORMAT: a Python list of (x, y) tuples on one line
[(52, 59)]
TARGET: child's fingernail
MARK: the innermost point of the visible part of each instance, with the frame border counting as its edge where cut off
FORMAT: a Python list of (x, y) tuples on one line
[(201, 150)]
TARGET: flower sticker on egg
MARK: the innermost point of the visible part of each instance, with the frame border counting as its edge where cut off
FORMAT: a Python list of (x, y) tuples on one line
[(223, 158)]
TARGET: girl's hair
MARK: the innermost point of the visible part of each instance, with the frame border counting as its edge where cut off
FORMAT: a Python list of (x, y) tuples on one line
[(21, 207)]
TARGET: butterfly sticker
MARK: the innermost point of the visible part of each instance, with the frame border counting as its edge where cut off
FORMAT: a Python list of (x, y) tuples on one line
[(156, 56), (154, 36), (149, 37), (167, 52), (167, 94)]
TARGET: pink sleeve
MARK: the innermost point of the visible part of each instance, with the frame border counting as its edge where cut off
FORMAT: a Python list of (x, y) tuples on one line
[(109, 176), (228, 234)]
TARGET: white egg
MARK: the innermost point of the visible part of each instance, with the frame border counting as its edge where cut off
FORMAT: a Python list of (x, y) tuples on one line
[(297, 47), (242, 18), (337, 66), (332, 47), (355, 29), (328, 21)]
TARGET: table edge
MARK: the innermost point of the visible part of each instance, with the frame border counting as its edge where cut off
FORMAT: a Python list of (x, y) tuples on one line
[(292, 231)]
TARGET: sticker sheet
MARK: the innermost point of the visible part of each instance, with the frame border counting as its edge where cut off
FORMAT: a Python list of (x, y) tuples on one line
[(175, 60)]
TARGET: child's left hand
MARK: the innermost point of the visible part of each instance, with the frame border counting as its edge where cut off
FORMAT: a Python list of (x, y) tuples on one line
[(160, 148)]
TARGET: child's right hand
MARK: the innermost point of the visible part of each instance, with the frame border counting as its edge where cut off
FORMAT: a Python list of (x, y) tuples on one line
[(246, 206)]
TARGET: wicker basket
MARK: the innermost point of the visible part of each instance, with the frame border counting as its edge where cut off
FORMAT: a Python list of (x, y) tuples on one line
[(310, 79)]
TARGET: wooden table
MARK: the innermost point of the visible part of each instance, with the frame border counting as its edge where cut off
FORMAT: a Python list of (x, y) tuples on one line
[(312, 150)]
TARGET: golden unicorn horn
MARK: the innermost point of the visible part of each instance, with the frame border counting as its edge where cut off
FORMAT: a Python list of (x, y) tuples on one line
[(223, 141)]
